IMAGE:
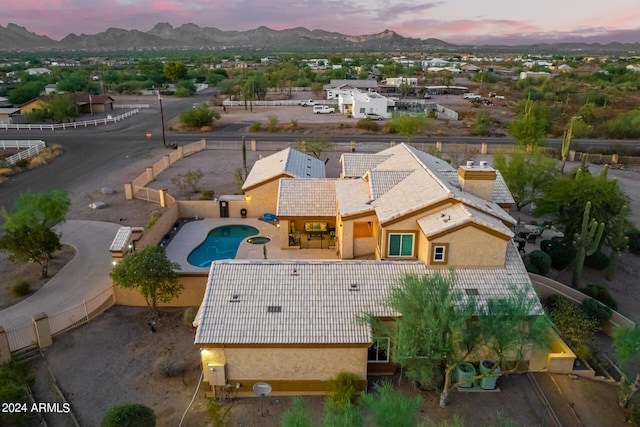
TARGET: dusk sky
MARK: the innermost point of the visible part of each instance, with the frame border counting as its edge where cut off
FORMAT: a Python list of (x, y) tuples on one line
[(455, 21)]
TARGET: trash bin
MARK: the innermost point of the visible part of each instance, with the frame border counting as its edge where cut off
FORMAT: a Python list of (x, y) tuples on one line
[(486, 367), (466, 372)]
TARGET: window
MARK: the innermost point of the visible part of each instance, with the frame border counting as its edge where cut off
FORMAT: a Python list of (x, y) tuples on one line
[(400, 245), (439, 254), (379, 350)]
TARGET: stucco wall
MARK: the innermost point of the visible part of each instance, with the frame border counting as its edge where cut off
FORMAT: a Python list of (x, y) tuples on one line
[(290, 370), (263, 199), (472, 247), (191, 295)]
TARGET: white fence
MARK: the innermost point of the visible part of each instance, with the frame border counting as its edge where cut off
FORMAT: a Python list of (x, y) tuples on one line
[(276, 103), (33, 147), (131, 106), (25, 336), (72, 125)]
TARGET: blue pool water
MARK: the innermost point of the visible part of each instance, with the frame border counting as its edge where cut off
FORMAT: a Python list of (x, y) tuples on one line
[(221, 243)]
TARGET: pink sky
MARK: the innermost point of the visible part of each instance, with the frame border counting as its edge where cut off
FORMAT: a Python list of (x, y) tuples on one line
[(455, 21)]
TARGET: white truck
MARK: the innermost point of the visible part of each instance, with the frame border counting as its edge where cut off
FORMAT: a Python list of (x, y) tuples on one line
[(308, 102), (470, 95), (323, 109)]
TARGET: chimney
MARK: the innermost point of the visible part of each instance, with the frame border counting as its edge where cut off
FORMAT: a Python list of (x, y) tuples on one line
[(477, 180)]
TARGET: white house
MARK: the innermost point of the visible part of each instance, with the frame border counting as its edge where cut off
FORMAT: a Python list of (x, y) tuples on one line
[(400, 81), (368, 102)]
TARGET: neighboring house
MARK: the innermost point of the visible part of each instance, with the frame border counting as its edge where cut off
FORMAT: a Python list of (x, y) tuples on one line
[(534, 74), (364, 85), (37, 71), (368, 102), (296, 324), (93, 104), (7, 113), (50, 88), (33, 105), (402, 81), (261, 185)]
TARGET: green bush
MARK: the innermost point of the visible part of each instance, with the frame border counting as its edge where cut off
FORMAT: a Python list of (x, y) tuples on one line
[(344, 387), (198, 117), (272, 124), (255, 127), (367, 124), (601, 294), (561, 252), (598, 260), (541, 260), (531, 268), (634, 243), (152, 221), (596, 309), (168, 367), (129, 415), (14, 379), (634, 414), (207, 195), (392, 408), (20, 288), (22, 163)]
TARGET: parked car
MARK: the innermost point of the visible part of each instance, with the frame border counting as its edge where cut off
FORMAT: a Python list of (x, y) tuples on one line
[(470, 95), (373, 116), (323, 109), (308, 103)]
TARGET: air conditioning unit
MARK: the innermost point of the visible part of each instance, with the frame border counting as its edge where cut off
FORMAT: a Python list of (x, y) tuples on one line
[(216, 375)]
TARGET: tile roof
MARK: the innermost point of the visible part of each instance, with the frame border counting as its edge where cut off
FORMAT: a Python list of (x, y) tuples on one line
[(459, 214), (353, 197), (356, 165), (321, 302), (288, 162), (307, 197)]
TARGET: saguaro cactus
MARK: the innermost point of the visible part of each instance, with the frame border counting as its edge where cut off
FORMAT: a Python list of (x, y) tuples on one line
[(586, 242), (618, 242)]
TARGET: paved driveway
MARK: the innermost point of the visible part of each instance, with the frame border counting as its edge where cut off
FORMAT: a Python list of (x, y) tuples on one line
[(86, 275)]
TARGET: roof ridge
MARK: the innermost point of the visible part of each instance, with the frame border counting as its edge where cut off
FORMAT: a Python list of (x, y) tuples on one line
[(428, 170)]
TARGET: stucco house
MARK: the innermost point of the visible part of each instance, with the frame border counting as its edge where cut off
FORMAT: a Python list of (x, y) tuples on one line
[(261, 185), (368, 102), (296, 324)]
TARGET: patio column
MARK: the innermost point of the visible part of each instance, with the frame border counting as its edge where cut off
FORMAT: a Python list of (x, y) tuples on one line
[(43, 329)]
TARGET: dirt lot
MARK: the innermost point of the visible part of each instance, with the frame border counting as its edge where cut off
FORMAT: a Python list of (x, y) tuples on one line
[(110, 361)]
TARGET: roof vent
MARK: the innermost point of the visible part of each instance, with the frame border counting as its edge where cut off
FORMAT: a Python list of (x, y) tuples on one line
[(354, 287), (483, 163), (472, 291), (274, 309), (235, 298), (295, 272), (469, 163)]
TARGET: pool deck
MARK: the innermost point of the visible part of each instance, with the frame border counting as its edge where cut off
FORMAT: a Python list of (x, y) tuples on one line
[(193, 233)]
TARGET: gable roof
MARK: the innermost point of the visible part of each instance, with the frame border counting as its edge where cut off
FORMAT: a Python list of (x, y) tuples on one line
[(427, 180), (288, 162), (456, 215), (306, 197), (321, 302)]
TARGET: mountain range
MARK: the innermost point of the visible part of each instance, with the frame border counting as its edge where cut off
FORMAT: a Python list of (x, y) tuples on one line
[(163, 36)]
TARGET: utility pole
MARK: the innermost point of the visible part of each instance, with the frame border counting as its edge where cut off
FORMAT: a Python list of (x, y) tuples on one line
[(164, 141)]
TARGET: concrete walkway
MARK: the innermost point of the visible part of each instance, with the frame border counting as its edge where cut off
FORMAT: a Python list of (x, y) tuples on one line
[(86, 275)]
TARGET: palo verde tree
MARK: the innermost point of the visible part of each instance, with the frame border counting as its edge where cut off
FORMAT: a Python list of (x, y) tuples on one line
[(313, 146), (408, 125), (28, 228), (151, 273), (526, 173), (565, 198), (529, 129), (438, 328)]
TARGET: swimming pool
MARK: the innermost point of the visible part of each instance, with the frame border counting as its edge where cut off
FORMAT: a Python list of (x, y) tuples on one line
[(221, 243)]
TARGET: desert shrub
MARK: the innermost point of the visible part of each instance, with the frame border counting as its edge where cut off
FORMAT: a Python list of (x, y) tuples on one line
[(601, 294), (343, 387), (198, 117), (531, 268), (207, 195), (189, 315), (129, 415), (634, 242), (297, 415), (391, 408), (541, 260), (294, 124), (22, 163), (561, 252), (167, 366), (152, 221), (367, 124), (255, 127), (21, 288), (14, 379), (574, 326), (598, 260), (272, 124), (596, 309)]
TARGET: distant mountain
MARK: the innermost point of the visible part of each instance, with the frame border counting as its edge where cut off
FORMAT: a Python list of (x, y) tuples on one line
[(191, 36)]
